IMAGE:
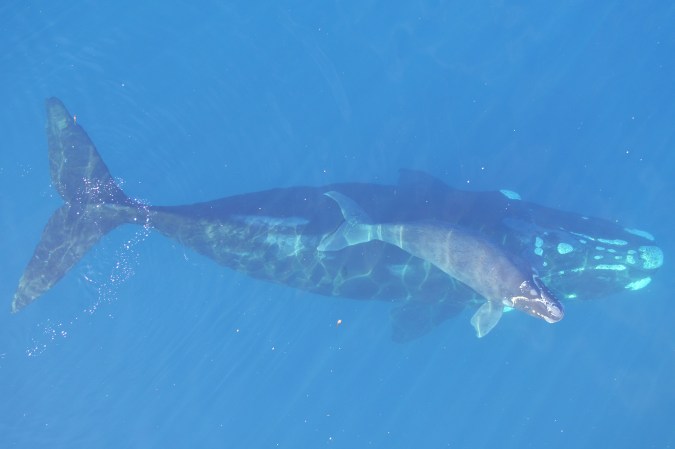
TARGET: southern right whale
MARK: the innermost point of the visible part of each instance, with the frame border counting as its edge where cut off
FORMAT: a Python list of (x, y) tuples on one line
[(284, 235), (463, 255)]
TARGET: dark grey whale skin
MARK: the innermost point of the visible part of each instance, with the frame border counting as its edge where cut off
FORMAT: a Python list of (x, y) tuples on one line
[(274, 234)]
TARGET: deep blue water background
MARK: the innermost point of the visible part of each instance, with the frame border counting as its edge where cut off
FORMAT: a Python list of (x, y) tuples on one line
[(148, 345)]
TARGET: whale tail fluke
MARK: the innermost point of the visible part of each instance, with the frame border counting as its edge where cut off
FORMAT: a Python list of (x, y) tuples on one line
[(78, 173), (94, 205)]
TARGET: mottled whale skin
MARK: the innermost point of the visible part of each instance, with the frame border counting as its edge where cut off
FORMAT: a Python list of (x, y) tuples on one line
[(276, 235)]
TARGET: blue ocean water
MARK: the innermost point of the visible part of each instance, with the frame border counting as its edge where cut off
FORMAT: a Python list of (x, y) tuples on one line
[(146, 344)]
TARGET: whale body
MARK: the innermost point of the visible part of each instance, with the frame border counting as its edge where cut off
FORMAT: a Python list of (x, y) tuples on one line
[(282, 235), (463, 255)]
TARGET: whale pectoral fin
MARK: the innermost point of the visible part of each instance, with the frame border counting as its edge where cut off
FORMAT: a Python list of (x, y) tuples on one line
[(352, 231), (486, 317), (351, 211)]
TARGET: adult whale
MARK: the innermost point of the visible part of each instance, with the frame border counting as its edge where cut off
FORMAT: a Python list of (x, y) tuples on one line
[(281, 235)]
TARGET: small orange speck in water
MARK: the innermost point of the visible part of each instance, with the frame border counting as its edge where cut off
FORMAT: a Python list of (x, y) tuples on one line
[(338, 323)]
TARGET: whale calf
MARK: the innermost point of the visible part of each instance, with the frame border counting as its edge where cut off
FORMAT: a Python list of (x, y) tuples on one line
[(297, 237), (463, 255)]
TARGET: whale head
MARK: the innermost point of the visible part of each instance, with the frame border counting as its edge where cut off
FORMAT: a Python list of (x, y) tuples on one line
[(535, 299)]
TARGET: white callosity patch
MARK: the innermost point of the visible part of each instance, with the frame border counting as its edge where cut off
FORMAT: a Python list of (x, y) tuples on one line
[(615, 242), (583, 238), (652, 257), (538, 246), (640, 283), (564, 248), (630, 257), (640, 233), (616, 267)]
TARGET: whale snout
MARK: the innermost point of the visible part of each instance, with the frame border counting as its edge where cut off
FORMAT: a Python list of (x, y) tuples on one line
[(554, 312), (537, 300)]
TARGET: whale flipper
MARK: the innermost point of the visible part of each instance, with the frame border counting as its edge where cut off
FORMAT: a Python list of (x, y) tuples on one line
[(95, 205), (352, 231), (462, 255), (486, 318)]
